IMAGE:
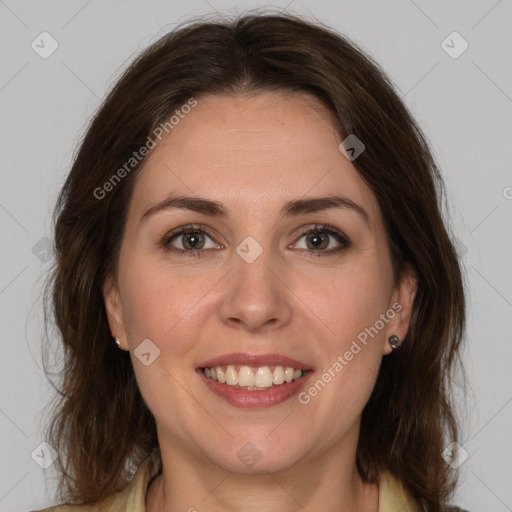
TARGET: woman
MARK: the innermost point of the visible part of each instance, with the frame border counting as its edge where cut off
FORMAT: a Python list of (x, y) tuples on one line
[(254, 217)]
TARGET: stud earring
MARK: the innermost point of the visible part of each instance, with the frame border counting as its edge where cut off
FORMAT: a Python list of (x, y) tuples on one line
[(394, 342), (118, 341)]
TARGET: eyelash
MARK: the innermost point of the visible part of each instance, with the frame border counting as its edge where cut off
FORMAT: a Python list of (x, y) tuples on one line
[(317, 228)]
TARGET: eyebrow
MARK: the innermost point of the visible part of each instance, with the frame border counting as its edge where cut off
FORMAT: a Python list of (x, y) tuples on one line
[(291, 208)]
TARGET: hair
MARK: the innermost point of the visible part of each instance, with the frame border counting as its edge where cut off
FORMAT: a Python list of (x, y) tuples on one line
[(100, 424)]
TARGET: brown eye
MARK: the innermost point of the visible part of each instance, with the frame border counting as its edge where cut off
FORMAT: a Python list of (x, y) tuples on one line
[(321, 239), (317, 240), (192, 240), (189, 241)]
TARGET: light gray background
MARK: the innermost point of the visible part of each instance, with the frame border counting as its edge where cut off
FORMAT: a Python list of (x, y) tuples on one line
[(464, 106)]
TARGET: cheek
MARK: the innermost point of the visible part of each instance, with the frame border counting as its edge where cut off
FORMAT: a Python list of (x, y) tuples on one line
[(159, 306), (152, 299), (165, 305), (149, 307), (349, 306), (349, 301)]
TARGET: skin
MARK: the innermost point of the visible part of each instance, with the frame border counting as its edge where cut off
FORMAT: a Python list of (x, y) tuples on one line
[(253, 153)]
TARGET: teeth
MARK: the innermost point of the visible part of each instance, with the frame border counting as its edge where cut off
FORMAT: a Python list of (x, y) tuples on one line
[(264, 377), (246, 378), (220, 375), (288, 374), (231, 376), (278, 375)]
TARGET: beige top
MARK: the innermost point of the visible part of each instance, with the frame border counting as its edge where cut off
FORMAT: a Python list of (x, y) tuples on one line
[(392, 495)]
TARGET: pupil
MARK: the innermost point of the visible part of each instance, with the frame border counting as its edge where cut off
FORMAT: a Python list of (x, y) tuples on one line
[(191, 241), (317, 240)]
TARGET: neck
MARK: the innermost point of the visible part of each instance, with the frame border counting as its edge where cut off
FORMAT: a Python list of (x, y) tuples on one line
[(326, 482)]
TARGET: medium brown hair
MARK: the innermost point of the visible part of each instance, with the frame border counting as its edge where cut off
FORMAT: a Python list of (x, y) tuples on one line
[(100, 424)]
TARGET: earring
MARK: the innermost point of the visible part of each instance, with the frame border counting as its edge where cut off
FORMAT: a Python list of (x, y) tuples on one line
[(394, 342), (118, 341)]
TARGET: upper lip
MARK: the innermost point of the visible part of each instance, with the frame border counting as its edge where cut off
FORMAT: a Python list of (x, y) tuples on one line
[(255, 360)]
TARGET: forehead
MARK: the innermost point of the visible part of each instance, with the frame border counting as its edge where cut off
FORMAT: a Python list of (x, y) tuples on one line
[(253, 153)]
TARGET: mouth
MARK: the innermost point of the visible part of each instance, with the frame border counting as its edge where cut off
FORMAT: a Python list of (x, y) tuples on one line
[(253, 378), (254, 381)]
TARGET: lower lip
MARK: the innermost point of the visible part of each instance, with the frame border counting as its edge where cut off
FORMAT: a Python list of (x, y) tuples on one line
[(253, 399)]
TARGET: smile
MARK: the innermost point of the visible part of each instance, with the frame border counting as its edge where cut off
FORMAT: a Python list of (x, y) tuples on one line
[(253, 378), (254, 396)]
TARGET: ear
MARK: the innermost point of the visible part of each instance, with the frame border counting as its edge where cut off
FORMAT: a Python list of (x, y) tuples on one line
[(401, 304), (114, 311)]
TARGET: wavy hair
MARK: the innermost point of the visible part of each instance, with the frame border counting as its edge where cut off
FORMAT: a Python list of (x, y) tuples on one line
[(99, 422)]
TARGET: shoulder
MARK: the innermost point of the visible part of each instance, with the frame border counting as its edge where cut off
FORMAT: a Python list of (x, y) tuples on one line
[(129, 499), (113, 503), (66, 508), (393, 496), (110, 504)]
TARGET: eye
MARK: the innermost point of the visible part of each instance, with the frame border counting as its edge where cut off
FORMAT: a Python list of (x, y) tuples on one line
[(189, 241), (193, 241), (320, 238)]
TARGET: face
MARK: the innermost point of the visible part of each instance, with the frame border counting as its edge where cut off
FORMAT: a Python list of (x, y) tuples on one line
[(305, 283)]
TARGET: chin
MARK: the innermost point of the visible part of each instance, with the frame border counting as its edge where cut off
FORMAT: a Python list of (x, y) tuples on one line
[(248, 455)]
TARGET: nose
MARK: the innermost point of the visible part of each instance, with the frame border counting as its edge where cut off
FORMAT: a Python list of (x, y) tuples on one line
[(256, 298)]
